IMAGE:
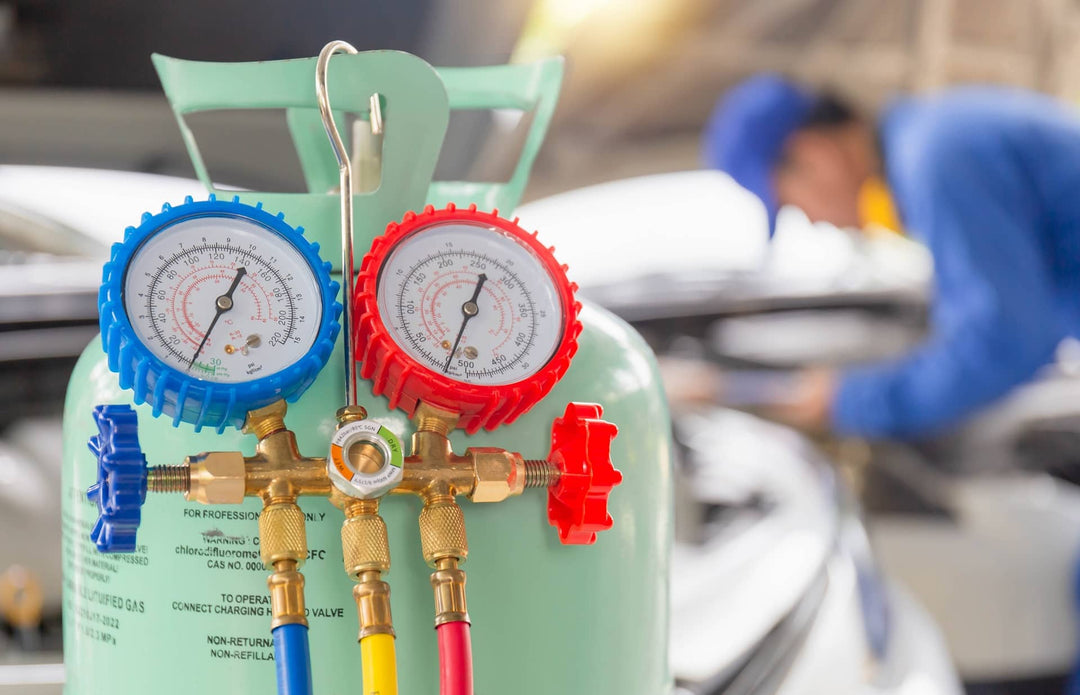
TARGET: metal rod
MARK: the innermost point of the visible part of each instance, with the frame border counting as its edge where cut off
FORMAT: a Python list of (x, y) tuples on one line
[(346, 193)]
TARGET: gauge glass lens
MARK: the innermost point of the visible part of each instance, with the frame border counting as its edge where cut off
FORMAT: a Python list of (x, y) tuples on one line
[(471, 302), (223, 299)]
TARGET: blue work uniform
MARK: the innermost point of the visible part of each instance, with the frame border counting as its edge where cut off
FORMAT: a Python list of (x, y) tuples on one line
[(990, 180)]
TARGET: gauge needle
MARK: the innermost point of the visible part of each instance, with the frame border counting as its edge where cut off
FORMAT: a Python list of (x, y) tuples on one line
[(222, 304), (468, 310)]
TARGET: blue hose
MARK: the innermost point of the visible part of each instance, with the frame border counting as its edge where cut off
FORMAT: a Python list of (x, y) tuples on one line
[(292, 659)]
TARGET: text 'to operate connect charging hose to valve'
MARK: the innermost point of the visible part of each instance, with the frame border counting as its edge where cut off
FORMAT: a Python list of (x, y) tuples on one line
[(292, 659), (455, 659)]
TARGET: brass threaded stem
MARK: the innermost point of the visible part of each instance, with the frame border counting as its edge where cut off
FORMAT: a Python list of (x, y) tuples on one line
[(357, 507), (168, 478), (433, 424), (540, 473), (435, 498), (265, 427)]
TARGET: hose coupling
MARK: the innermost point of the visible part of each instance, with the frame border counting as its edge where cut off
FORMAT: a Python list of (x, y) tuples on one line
[(364, 542), (286, 595), (442, 531), (448, 583), (372, 597), (281, 535)]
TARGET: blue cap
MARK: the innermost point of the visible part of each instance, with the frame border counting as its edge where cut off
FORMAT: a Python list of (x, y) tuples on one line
[(747, 130)]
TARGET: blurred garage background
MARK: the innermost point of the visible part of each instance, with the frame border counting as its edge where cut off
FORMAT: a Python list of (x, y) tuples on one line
[(982, 527)]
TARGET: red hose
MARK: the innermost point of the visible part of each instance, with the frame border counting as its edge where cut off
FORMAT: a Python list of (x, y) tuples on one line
[(455, 659)]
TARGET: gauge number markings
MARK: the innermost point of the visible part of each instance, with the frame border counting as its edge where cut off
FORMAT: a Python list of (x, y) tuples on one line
[(217, 249), (476, 263)]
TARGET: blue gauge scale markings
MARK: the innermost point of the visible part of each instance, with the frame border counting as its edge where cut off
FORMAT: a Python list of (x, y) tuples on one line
[(241, 258), (181, 300)]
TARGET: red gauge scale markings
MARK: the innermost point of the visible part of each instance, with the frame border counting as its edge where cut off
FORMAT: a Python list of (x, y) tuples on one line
[(440, 314), (466, 311)]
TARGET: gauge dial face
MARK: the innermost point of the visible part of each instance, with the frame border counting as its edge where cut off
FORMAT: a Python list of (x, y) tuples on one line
[(223, 299), (470, 302)]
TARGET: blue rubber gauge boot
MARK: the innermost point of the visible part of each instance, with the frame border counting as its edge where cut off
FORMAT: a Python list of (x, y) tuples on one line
[(214, 308)]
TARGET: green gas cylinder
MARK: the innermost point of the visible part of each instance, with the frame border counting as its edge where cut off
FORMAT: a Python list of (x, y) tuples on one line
[(189, 612)]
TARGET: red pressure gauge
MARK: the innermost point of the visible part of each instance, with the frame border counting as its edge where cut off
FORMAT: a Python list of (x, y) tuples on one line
[(465, 311)]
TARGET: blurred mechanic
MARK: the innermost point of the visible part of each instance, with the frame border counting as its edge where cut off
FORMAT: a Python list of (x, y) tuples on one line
[(988, 178)]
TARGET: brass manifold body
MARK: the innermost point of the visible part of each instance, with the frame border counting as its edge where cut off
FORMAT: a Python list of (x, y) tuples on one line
[(279, 474)]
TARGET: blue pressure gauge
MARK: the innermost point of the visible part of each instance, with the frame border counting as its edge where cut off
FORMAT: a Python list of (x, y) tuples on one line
[(213, 308)]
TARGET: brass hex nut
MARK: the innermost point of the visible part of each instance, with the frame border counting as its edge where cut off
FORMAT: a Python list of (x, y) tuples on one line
[(498, 474), (216, 478)]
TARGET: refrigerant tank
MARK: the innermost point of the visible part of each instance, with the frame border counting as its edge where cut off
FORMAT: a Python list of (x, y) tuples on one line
[(188, 611)]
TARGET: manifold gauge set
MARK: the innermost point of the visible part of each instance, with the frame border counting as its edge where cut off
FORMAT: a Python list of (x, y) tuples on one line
[(217, 313)]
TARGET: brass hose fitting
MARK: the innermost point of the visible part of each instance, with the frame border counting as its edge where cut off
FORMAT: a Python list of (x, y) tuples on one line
[(283, 549), (442, 531), (286, 595), (443, 541), (372, 597), (366, 549), (364, 542), (448, 583), (282, 535)]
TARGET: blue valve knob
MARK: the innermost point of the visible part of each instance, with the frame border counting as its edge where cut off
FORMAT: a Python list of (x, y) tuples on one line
[(121, 486)]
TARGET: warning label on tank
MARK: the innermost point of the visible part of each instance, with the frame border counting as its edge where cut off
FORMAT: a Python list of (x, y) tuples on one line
[(241, 647), (197, 576), (99, 610)]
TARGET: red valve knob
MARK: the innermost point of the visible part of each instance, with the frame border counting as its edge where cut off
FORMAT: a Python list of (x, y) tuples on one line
[(581, 449)]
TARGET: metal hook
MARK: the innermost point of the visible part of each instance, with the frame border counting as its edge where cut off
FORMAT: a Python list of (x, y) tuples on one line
[(346, 191)]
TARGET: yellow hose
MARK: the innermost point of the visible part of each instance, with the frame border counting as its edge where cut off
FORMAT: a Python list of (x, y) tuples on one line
[(378, 662)]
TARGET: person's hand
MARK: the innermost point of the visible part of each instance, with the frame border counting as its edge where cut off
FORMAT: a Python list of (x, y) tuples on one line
[(808, 404), (689, 382)]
